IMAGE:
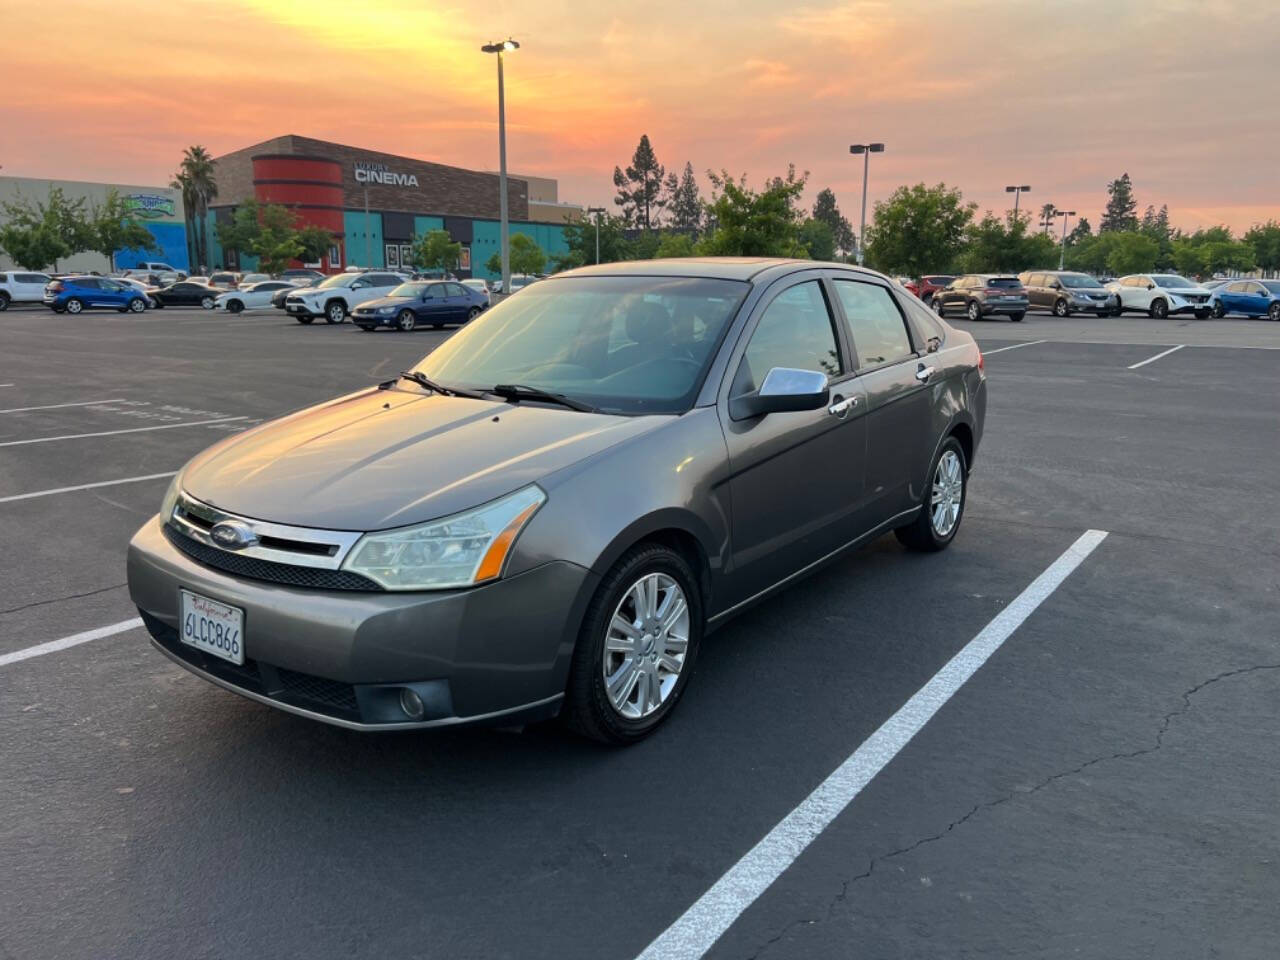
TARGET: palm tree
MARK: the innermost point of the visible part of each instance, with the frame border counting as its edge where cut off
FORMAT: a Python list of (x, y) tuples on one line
[(198, 170), (182, 182)]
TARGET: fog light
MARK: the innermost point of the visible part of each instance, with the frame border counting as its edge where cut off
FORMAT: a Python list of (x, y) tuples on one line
[(411, 704)]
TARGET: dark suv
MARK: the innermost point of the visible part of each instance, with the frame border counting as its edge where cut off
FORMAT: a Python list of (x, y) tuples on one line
[(982, 295), (1065, 292)]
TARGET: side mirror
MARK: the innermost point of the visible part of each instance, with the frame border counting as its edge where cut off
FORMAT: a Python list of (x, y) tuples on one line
[(1151, 286), (1055, 285), (785, 390)]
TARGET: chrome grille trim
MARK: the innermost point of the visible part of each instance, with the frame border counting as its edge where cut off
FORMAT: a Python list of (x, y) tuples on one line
[(328, 548)]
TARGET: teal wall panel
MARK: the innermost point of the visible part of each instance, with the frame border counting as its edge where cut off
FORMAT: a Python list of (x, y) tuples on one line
[(550, 237), (353, 223)]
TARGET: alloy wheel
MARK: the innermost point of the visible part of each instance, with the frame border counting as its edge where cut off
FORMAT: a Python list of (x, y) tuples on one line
[(1274, 312), (74, 306), (937, 306), (974, 310), (948, 493), (207, 303), (1060, 308), (406, 321), (645, 646), (137, 306)]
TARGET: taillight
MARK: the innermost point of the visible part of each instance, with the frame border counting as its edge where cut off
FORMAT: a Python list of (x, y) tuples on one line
[(982, 364)]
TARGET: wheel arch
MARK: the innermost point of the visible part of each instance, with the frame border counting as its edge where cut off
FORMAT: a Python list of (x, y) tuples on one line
[(677, 529)]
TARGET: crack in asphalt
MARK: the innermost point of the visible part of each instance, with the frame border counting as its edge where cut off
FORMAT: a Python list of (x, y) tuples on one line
[(73, 596), (1165, 723)]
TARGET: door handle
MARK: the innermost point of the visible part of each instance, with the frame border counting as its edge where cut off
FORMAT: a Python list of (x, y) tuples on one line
[(923, 373), (841, 408)]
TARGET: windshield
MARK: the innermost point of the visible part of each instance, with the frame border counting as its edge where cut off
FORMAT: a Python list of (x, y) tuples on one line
[(1077, 280), (624, 344), (1272, 285), (338, 280), (408, 290), (1004, 282), (939, 280), (1171, 280)]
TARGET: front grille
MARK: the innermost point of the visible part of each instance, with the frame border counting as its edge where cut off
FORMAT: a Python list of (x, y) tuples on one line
[(340, 696), (255, 568)]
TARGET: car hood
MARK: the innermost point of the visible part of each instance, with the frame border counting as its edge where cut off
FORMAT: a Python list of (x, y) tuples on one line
[(384, 302), (389, 458)]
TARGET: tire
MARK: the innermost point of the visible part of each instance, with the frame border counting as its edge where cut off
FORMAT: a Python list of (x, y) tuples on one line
[(1061, 308), (366, 327), (406, 321), (305, 321), (973, 311), (472, 314), (74, 305), (1159, 308), (1203, 314), (137, 305), (1117, 311), (1219, 311), (4, 301), (589, 708), (234, 306), (937, 306), (1274, 312), (159, 304), (1017, 317), (923, 534), (335, 311), (207, 303)]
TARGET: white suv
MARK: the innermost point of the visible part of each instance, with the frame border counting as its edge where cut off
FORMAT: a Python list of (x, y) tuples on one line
[(162, 272), (334, 297), (21, 287), (1161, 294)]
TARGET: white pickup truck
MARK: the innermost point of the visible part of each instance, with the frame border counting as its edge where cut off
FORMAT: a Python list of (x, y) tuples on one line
[(334, 297), (155, 272)]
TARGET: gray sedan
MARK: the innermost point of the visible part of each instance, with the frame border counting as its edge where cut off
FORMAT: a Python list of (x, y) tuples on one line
[(550, 511)]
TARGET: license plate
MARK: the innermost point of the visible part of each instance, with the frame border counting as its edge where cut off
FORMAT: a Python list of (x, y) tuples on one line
[(216, 628)]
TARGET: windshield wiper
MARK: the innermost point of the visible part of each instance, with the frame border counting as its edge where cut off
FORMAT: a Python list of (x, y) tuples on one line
[(422, 380), (515, 392)]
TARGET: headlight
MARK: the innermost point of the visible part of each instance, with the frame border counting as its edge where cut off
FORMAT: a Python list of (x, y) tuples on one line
[(386, 309), (457, 551), (170, 501)]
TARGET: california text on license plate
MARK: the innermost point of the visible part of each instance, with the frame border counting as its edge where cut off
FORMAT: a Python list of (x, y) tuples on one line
[(216, 628)]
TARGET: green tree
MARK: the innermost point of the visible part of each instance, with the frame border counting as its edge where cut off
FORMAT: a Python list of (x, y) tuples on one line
[(1265, 240), (1122, 209), (580, 238), (826, 210), (747, 223), (1131, 252), (640, 187), (1004, 245), (112, 227), (56, 228), (315, 242), (266, 231), (437, 251), (1080, 232), (526, 256), (684, 201), (196, 179), (817, 239), (918, 229), (675, 245)]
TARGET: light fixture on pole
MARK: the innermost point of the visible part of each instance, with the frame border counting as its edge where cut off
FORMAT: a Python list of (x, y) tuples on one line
[(1065, 215), (1017, 193), (368, 262), (866, 149), (505, 46), (597, 211)]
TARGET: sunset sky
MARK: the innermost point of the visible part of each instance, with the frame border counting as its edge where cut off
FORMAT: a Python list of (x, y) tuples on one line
[(1062, 96)]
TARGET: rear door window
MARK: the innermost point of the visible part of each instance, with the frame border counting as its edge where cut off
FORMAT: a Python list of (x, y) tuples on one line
[(878, 330)]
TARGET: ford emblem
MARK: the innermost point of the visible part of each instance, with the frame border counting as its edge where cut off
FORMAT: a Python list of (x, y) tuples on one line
[(233, 535)]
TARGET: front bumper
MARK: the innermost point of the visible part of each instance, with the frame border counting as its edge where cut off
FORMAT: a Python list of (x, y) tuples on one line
[(365, 319), (501, 650), (301, 310), (1178, 305)]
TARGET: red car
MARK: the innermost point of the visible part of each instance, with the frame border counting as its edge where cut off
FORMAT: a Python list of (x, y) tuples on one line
[(926, 287)]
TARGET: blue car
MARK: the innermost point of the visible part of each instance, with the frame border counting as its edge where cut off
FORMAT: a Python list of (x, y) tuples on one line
[(76, 294), (1253, 298), (431, 303)]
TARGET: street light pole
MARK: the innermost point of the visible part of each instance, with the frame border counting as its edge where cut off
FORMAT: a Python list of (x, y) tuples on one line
[(504, 228), (368, 262), (597, 211), (1065, 215), (1017, 193), (866, 149)]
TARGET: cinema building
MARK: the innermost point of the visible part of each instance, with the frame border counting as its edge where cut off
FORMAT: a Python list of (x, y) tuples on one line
[(375, 204)]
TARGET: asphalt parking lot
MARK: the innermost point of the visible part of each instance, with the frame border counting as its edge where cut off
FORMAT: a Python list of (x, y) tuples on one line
[(1103, 786)]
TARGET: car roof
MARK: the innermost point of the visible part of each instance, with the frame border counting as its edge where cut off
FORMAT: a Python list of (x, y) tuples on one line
[(719, 268)]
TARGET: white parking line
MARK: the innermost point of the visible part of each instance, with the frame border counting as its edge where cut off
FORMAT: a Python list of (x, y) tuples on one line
[(1143, 363), (697, 930), (85, 486), (1029, 343), (53, 646), (6, 384), (59, 406), (112, 433)]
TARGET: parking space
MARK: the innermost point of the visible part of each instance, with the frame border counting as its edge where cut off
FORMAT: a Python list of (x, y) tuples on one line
[(1103, 785)]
